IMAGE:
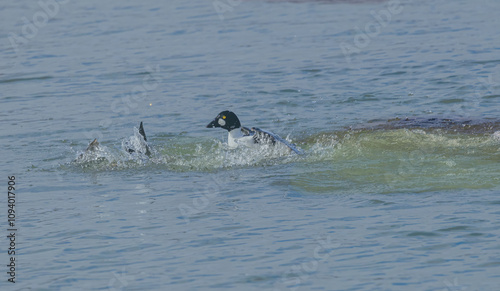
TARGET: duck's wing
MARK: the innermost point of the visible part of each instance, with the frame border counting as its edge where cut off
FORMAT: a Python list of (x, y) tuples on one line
[(247, 131), (141, 146), (264, 136), (92, 146), (142, 132)]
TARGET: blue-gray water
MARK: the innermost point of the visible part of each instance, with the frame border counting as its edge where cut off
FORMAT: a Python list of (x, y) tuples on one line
[(374, 204)]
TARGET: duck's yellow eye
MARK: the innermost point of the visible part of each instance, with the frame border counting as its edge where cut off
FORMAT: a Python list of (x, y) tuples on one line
[(223, 117)]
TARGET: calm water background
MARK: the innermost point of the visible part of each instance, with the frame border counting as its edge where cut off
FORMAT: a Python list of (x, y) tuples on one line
[(388, 209)]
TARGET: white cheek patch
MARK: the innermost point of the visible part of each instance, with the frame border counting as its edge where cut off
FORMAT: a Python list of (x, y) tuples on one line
[(222, 122)]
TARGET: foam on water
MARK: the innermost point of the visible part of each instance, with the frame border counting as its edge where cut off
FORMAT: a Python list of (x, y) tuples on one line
[(181, 154), (381, 159), (387, 161)]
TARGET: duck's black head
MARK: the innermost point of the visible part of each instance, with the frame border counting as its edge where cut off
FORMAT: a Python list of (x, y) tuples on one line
[(227, 120)]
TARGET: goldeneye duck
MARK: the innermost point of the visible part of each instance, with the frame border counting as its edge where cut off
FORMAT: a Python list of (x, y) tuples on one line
[(238, 135)]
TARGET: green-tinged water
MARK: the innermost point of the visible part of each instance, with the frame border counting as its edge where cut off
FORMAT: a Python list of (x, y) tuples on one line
[(385, 159), (395, 105), (392, 161)]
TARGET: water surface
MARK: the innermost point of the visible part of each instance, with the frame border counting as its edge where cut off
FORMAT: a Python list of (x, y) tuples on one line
[(398, 187)]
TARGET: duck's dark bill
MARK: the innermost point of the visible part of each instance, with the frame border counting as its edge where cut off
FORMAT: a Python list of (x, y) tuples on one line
[(213, 124)]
